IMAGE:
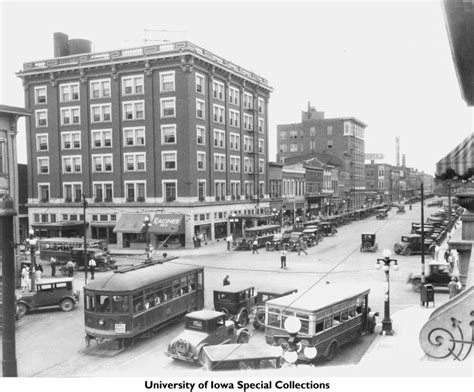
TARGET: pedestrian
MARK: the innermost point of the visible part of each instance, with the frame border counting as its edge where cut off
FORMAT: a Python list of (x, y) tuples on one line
[(255, 246), (302, 247), (25, 279), (283, 258), (92, 264), (451, 261), (38, 275), (226, 281), (454, 287), (195, 241), (200, 237), (229, 241), (436, 252), (70, 268), (53, 261)]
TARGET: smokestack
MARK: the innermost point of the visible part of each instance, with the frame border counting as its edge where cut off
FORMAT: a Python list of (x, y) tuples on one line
[(397, 150), (404, 163)]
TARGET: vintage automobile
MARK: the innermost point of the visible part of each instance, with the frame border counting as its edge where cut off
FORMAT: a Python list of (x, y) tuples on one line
[(312, 235), (368, 243), (49, 292), (279, 241), (236, 302), (103, 260), (411, 244), (437, 274), (381, 214), (327, 228), (241, 356), (263, 296), (204, 328), (243, 244), (295, 238), (401, 209)]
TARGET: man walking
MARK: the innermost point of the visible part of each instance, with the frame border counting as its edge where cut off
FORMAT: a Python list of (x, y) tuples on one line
[(283, 258), (255, 246), (229, 241), (92, 265), (454, 287), (302, 247), (53, 261)]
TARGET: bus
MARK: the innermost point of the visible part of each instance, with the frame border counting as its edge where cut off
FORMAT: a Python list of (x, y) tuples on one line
[(61, 247), (139, 300), (331, 315), (262, 234)]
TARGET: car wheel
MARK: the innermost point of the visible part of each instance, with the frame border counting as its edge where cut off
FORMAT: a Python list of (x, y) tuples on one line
[(243, 319), (67, 304), (243, 337), (201, 358), (407, 251), (102, 267), (332, 352), (22, 309)]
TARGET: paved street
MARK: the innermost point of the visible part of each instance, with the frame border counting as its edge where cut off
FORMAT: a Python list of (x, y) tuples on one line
[(49, 342)]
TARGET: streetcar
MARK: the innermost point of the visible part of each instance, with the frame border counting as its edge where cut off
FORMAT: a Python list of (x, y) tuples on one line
[(331, 315), (122, 307)]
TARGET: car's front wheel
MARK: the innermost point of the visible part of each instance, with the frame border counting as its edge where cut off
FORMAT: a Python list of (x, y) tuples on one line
[(102, 267), (22, 309), (243, 337), (67, 304)]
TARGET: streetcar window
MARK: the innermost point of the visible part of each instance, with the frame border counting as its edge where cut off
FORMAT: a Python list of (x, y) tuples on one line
[(90, 302), (137, 302), (120, 304), (327, 323), (102, 303), (167, 293)]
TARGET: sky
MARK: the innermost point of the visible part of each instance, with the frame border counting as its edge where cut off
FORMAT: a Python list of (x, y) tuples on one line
[(387, 63)]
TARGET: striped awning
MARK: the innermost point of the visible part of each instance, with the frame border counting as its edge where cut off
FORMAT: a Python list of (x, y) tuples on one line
[(459, 162)]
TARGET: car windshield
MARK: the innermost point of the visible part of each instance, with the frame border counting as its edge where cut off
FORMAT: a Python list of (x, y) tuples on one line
[(194, 324)]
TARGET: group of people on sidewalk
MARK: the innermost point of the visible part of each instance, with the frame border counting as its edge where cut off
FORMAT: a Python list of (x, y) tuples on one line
[(26, 276)]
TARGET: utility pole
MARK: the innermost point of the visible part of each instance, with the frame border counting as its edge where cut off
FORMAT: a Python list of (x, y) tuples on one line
[(84, 206), (422, 235)]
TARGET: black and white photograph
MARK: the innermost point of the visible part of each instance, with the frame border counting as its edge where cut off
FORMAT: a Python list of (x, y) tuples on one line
[(211, 195)]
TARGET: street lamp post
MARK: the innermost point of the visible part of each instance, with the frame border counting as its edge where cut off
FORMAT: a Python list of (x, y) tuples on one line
[(31, 243), (386, 263), (233, 220), (146, 225)]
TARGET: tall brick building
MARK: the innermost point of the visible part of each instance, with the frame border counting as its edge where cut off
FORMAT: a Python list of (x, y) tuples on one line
[(170, 131), (342, 137)]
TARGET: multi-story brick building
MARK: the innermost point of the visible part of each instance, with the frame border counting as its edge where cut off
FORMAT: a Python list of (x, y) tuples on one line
[(342, 137), (163, 129)]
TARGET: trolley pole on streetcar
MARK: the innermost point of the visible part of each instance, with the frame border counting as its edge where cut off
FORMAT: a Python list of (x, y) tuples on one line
[(146, 225), (386, 263), (7, 212), (86, 262)]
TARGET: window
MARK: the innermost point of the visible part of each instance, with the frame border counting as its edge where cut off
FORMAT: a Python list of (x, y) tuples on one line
[(41, 117), (167, 81), (234, 164), (169, 190), (133, 110), (200, 111), (101, 138), (248, 122), (294, 135), (235, 188), (312, 145), (248, 165), (329, 130), (168, 134), (200, 135), (100, 88), (261, 168), (219, 189), (42, 142), (134, 162), (132, 85), (261, 144), (72, 191), (329, 143), (135, 190), (40, 95), (261, 104), (283, 148), (219, 138), (133, 137), (312, 131), (103, 191), (101, 113), (199, 83), (219, 162), (248, 101), (261, 188), (234, 95), (234, 142), (70, 115), (102, 163), (201, 189), (72, 164), (71, 140), (283, 135), (69, 92), (293, 147), (260, 125), (169, 160), (234, 118), (43, 165), (248, 143), (168, 107), (201, 160), (218, 90), (218, 113), (43, 192)]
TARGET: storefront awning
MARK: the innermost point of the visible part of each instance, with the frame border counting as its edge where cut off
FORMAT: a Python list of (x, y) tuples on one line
[(167, 224), (459, 162), (59, 225), (130, 223)]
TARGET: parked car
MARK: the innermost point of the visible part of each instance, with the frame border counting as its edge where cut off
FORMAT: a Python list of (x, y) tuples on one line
[(381, 214), (437, 274), (312, 235), (102, 259), (328, 228), (411, 244), (235, 301), (204, 328), (368, 243), (49, 292), (279, 241)]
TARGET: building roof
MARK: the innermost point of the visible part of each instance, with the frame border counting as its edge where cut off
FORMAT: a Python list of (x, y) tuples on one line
[(16, 111), (323, 158)]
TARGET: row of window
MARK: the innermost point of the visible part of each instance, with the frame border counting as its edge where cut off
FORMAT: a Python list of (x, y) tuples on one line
[(102, 138), (293, 135), (136, 162), (293, 147), (136, 190)]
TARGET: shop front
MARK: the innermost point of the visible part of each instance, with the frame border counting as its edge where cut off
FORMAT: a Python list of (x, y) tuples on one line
[(103, 231), (131, 231), (167, 231)]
